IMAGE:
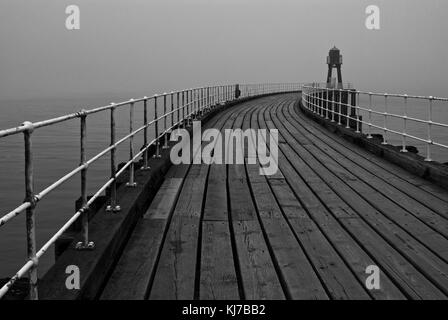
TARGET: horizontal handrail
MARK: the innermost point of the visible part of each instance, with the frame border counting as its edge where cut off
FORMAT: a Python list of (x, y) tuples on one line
[(396, 95), (328, 102), (187, 104)]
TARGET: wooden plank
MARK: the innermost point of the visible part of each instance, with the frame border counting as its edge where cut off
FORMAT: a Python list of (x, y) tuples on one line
[(435, 242), (337, 277), (176, 271), (414, 285), (216, 202), (296, 272), (163, 203), (175, 275), (258, 275), (218, 276), (424, 214), (240, 199), (370, 163), (430, 190), (335, 228), (133, 272), (259, 278)]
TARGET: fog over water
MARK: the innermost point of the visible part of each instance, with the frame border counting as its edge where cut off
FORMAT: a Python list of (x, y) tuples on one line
[(134, 48), (138, 46)]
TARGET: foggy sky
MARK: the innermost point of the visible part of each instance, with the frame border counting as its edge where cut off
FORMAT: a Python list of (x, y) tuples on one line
[(138, 47)]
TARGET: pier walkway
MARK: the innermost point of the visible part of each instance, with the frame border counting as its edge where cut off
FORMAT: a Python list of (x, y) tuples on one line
[(308, 232), (347, 215)]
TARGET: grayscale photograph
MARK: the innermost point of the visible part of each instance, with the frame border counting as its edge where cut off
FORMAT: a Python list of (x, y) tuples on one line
[(220, 156)]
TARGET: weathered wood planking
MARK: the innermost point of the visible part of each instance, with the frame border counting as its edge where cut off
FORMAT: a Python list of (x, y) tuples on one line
[(336, 276), (133, 272), (218, 273), (392, 169), (307, 232), (346, 245), (416, 284), (258, 275), (333, 145), (428, 262), (297, 274), (176, 271)]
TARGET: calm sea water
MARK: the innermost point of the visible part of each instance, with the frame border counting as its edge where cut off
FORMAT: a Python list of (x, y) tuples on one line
[(56, 152)]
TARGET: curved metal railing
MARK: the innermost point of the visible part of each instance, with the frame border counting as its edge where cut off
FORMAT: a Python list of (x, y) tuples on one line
[(179, 108), (329, 103)]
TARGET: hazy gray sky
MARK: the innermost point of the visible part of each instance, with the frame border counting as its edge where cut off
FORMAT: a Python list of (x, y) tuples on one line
[(148, 46)]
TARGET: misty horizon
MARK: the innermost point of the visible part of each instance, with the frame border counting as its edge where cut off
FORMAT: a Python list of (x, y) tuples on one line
[(156, 46)]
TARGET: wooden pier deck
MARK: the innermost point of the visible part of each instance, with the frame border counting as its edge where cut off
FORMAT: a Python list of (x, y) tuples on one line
[(307, 232)]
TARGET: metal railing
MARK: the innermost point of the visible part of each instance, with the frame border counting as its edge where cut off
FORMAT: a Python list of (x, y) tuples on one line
[(329, 103), (179, 109)]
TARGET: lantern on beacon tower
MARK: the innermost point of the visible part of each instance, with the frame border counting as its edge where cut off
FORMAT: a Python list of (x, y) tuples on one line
[(334, 60)]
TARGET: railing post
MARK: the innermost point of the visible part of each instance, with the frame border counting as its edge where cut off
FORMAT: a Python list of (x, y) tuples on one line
[(212, 97), (340, 106), (326, 103), (30, 211), (165, 145), (193, 104), (405, 124), (349, 110), (85, 244), (131, 183), (208, 98), (197, 102), (428, 145), (183, 109), (321, 101), (356, 97), (113, 207), (187, 104), (178, 109), (313, 107), (205, 100), (202, 101), (333, 103), (386, 112), (369, 134), (215, 96), (145, 135), (189, 107), (156, 119), (172, 109)]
